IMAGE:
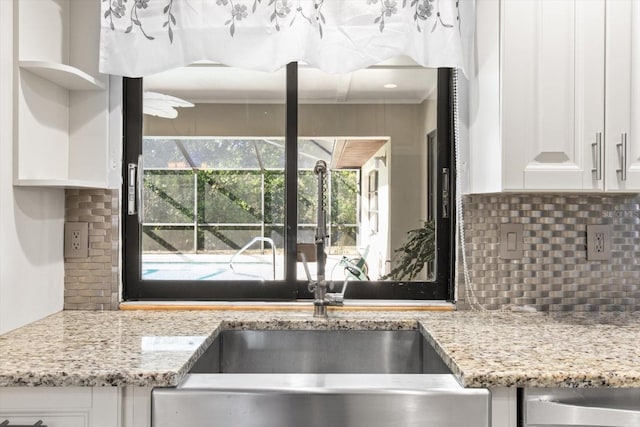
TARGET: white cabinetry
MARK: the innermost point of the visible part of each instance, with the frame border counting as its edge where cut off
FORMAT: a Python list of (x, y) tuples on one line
[(545, 97), (63, 106), (61, 406), (552, 93), (623, 96), (504, 403), (136, 406)]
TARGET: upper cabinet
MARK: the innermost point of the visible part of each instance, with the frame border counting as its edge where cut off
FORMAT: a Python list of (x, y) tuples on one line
[(622, 108), (64, 111), (543, 113), (552, 93)]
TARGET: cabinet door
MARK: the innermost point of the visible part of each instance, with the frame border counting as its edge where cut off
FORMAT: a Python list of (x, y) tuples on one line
[(622, 120), (61, 406), (552, 75)]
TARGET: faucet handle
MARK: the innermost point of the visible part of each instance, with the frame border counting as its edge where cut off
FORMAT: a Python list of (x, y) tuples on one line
[(303, 258)]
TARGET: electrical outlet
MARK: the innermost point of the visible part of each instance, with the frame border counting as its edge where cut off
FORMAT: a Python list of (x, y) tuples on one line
[(76, 240), (598, 242)]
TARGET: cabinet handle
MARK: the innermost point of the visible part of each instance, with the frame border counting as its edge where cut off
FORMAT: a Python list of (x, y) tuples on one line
[(596, 153), (550, 413), (37, 424), (622, 156)]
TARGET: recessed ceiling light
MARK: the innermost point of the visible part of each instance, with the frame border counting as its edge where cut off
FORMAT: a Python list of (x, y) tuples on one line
[(391, 86)]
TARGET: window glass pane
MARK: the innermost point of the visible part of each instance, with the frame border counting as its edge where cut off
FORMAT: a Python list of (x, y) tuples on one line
[(345, 193), (271, 152), (214, 204), (163, 153), (168, 239), (219, 154), (307, 198), (228, 196), (214, 175), (312, 150), (274, 199), (168, 197), (227, 238), (372, 127)]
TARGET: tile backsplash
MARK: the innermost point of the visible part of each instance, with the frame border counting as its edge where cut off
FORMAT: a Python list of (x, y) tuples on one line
[(554, 273), (92, 283)]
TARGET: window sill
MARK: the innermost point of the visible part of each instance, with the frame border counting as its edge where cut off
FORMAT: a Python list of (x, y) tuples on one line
[(350, 305)]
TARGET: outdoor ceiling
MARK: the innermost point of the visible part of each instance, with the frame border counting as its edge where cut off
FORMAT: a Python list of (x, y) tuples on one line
[(353, 153), (214, 83)]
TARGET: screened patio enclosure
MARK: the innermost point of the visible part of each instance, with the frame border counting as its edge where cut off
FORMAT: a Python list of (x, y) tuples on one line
[(213, 208)]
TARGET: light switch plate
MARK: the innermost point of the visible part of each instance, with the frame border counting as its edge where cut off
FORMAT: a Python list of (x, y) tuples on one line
[(511, 241)]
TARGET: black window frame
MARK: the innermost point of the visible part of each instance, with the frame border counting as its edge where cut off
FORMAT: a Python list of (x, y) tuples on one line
[(290, 289)]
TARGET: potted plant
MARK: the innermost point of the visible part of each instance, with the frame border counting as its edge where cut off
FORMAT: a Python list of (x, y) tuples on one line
[(418, 250)]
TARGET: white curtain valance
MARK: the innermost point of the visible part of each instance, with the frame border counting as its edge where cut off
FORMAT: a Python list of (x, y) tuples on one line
[(144, 37)]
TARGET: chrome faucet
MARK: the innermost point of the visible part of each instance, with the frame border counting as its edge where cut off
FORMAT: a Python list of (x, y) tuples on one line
[(321, 298), (319, 288)]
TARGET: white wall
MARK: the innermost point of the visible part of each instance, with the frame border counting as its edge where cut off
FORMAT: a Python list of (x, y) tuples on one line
[(31, 220), (429, 111), (378, 242)]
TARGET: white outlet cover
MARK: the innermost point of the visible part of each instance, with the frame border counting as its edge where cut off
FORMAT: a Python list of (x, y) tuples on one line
[(76, 240), (605, 253)]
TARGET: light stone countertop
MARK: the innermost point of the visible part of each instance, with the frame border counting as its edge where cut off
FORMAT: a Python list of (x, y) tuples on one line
[(538, 350), (157, 348), (145, 348)]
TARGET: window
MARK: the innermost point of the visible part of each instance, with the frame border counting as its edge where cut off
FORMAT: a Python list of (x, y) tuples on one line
[(209, 183)]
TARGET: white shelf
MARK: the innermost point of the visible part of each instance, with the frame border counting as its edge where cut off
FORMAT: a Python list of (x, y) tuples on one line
[(63, 75), (63, 111), (58, 183)]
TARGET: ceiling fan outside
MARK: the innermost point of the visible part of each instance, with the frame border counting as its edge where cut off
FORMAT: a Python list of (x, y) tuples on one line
[(161, 105)]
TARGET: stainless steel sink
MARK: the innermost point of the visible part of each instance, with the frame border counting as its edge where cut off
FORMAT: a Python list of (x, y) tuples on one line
[(320, 378), (318, 352)]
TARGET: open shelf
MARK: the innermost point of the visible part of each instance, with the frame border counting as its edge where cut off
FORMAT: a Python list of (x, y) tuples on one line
[(63, 75), (64, 114), (58, 183)]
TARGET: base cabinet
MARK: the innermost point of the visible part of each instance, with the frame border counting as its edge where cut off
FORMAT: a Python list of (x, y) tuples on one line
[(504, 404), (136, 406), (131, 406), (61, 406)]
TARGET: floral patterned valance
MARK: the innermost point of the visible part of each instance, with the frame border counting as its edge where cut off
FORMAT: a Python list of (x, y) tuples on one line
[(143, 37)]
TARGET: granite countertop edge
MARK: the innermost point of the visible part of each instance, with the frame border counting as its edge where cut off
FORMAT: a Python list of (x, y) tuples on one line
[(500, 360)]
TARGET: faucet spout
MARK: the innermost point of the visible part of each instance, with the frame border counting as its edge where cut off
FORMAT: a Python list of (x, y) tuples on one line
[(320, 289), (321, 298)]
